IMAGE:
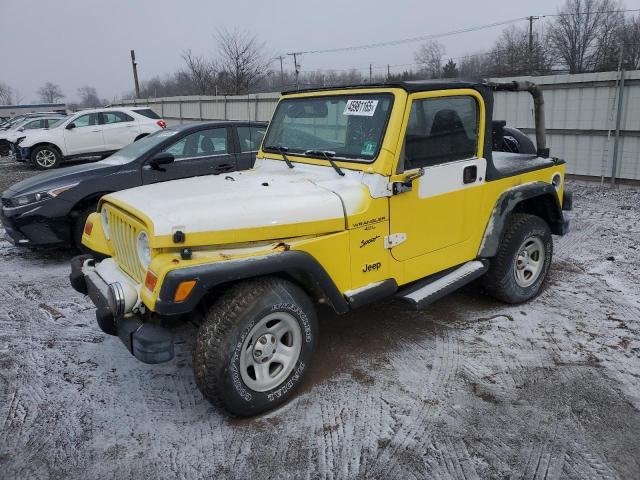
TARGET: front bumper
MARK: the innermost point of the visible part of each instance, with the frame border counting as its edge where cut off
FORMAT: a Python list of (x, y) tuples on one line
[(118, 309), (38, 225)]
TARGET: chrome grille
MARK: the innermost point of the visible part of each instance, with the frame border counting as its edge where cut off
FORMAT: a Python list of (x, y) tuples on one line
[(123, 236)]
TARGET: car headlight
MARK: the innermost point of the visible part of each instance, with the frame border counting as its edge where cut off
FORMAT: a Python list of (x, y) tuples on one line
[(22, 200), (105, 223), (144, 250), (19, 140)]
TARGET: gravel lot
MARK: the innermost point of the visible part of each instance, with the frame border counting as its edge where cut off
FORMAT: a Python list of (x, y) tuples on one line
[(470, 388)]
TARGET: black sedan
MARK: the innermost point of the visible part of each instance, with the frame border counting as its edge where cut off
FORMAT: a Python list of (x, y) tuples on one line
[(50, 209)]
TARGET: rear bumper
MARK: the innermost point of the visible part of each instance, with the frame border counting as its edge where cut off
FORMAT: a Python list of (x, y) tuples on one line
[(118, 312)]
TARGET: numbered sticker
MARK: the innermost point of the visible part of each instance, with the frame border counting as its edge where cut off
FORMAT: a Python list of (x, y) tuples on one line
[(363, 108)]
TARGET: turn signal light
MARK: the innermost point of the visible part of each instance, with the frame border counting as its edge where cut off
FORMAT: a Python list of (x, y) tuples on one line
[(184, 290), (150, 281), (162, 123), (88, 227)]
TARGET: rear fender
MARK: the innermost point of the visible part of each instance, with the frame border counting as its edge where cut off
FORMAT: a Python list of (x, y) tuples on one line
[(536, 198)]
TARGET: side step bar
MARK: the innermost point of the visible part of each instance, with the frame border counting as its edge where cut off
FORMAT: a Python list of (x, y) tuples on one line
[(427, 291)]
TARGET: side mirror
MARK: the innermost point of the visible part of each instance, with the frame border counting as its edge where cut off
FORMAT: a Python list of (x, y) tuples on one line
[(161, 158), (71, 126), (21, 129)]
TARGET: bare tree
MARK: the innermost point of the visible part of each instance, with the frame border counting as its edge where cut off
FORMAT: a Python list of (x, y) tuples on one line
[(512, 55), (429, 55), (203, 72), (582, 35), (629, 41), (89, 97), (242, 59), (50, 93), (6, 94)]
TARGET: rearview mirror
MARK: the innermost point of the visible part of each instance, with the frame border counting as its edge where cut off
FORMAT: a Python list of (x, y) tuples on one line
[(162, 158), (71, 126)]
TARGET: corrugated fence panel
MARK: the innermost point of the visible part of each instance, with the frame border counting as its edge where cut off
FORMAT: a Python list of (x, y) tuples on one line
[(580, 112)]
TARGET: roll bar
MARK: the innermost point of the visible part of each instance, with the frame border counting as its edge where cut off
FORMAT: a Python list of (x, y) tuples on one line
[(538, 108)]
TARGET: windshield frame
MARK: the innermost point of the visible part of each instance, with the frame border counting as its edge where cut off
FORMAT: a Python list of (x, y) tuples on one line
[(351, 95)]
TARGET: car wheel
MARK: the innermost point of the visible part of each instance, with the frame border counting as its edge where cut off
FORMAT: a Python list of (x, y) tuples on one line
[(5, 148), (254, 345), (78, 227), (45, 157), (519, 269)]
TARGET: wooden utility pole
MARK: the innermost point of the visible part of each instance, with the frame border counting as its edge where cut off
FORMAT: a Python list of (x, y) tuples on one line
[(296, 66), (370, 73), (531, 19), (388, 72), (281, 73), (135, 72)]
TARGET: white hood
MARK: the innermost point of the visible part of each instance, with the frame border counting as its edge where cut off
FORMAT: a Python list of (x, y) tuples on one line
[(269, 195)]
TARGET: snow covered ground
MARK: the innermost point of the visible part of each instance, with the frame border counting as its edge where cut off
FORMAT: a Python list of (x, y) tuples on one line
[(470, 388)]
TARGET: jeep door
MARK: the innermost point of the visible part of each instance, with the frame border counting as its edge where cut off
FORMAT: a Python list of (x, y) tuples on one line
[(85, 137), (444, 136), (119, 129), (203, 152)]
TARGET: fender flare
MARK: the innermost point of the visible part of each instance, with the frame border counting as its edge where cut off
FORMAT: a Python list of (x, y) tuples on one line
[(294, 263), (508, 203)]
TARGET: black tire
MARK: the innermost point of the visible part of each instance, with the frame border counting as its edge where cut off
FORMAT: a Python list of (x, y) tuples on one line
[(5, 148), (49, 152), (227, 326), (523, 143), (501, 281), (78, 227)]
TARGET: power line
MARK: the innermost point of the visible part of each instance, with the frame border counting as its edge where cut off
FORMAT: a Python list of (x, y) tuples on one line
[(421, 38), (410, 40)]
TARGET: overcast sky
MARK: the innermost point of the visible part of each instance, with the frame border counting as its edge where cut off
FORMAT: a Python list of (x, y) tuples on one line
[(87, 42)]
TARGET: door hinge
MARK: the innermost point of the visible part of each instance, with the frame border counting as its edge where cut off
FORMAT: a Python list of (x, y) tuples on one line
[(394, 240)]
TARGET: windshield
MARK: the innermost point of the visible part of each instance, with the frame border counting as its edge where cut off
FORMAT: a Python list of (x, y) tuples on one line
[(139, 147), (351, 126), (57, 122)]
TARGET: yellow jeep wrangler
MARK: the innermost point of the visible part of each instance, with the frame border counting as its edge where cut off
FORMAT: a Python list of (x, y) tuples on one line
[(358, 193)]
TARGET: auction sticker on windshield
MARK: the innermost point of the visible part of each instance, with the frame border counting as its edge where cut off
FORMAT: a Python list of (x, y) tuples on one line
[(365, 108)]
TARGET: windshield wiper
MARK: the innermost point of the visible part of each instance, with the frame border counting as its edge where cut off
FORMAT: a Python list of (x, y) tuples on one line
[(281, 151), (326, 154)]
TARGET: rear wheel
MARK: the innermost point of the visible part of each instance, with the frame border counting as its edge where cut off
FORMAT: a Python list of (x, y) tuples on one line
[(5, 148), (519, 269), (255, 345), (45, 157)]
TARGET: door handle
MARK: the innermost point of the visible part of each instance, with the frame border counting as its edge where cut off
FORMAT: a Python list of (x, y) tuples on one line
[(225, 167), (95, 131), (469, 174)]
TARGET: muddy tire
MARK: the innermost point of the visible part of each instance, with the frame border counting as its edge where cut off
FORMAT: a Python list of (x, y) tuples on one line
[(45, 157), (254, 345), (519, 269)]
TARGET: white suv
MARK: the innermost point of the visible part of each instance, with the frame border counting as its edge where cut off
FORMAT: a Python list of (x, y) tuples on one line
[(87, 133), (10, 135)]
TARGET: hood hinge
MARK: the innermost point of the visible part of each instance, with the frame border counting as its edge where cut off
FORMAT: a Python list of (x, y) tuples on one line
[(394, 240)]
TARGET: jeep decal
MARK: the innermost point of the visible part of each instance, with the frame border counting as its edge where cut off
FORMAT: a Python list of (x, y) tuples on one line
[(370, 267)]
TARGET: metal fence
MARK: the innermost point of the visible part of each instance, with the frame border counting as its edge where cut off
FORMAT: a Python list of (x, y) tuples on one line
[(589, 117)]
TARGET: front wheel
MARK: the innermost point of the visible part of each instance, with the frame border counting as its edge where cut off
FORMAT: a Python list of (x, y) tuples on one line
[(45, 157), (254, 345), (519, 269)]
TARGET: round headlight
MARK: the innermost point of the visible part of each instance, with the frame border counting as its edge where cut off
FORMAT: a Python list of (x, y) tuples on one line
[(556, 180), (105, 223), (144, 250)]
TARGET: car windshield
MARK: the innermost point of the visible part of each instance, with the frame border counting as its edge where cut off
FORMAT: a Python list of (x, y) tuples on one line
[(53, 123), (347, 127), (139, 147)]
